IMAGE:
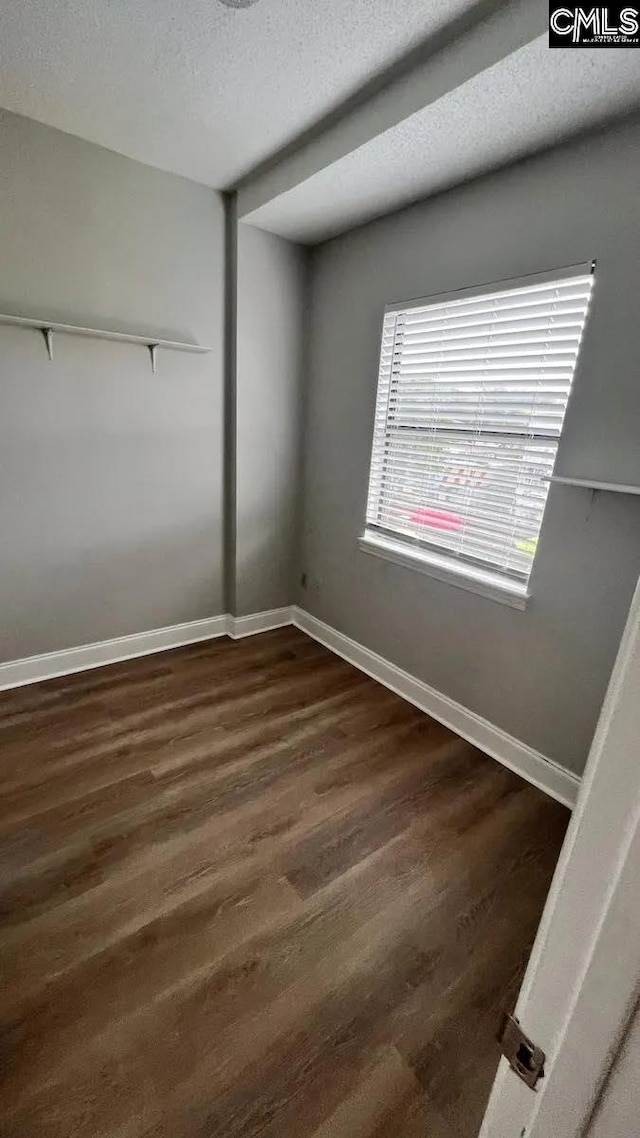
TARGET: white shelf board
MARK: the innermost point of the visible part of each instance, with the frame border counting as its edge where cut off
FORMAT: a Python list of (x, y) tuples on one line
[(100, 333), (592, 484)]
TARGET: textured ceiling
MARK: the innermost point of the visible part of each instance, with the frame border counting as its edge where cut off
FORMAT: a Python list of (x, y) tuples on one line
[(194, 86), (530, 100)]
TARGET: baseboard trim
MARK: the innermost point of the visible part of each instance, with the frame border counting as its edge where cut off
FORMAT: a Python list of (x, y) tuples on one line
[(240, 626), (33, 669), (554, 779)]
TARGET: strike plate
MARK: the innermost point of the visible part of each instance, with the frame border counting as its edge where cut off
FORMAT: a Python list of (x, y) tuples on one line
[(524, 1057)]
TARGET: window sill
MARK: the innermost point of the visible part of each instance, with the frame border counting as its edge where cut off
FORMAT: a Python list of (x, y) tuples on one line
[(481, 581)]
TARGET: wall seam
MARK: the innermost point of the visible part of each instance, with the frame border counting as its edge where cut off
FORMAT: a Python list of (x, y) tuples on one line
[(298, 567), (230, 417)]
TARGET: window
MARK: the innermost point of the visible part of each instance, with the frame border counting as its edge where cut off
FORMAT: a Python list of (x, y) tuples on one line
[(472, 391)]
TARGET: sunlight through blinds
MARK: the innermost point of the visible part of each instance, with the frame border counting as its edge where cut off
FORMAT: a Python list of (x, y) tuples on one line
[(472, 392)]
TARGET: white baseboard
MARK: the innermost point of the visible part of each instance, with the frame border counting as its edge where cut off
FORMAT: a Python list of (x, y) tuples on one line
[(259, 622), (555, 780), (33, 669), (50, 664), (534, 767)]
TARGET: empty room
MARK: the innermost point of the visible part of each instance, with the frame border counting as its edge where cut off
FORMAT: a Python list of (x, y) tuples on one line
[(320, 545)]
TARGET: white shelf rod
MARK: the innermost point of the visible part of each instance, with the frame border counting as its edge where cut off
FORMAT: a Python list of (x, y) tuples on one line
[(590, 484), (48, 327)]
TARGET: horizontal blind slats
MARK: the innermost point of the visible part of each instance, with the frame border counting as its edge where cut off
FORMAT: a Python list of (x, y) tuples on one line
[(499, 553), (507, 299), (505, 474), (504, 293), (487, 516), (471, 399), (484, 366), (492, 318), (480, 384), (525, 334), (453, 357)]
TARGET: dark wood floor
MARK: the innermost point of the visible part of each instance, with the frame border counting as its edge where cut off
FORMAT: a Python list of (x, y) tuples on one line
[(247, 891)]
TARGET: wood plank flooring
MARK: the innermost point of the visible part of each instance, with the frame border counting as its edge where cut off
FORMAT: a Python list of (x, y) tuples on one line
[(247, 891)]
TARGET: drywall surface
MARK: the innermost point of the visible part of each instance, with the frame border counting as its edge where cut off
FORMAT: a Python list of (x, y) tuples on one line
[(110, 476), (271, 296), (539, 674)]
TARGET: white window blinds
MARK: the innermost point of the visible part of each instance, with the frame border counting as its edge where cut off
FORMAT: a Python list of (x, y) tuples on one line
[(472, 392)]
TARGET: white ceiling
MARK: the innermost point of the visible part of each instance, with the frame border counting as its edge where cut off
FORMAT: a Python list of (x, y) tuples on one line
[(193, 86), (533, 98)]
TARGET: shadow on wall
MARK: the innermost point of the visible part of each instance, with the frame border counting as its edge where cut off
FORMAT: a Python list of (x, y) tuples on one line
[(265, 568)]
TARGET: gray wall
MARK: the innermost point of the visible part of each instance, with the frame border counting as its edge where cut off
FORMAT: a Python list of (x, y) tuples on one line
[(271, 296), (110, 477), (539, 674)]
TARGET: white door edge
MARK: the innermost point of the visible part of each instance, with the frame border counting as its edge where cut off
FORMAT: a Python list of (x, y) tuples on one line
[(585, 962)]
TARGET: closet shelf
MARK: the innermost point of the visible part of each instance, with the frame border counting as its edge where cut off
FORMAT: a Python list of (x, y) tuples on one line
[(591, 484), (48, 327)]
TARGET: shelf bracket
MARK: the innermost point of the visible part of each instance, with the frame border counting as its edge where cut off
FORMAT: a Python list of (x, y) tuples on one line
[(48, 339), (153, 348)]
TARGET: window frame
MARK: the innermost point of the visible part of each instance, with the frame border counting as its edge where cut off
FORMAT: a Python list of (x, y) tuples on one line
[(440, 564)]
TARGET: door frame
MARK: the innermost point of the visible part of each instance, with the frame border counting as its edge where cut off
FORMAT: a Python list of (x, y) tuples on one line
[(583, 975)]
